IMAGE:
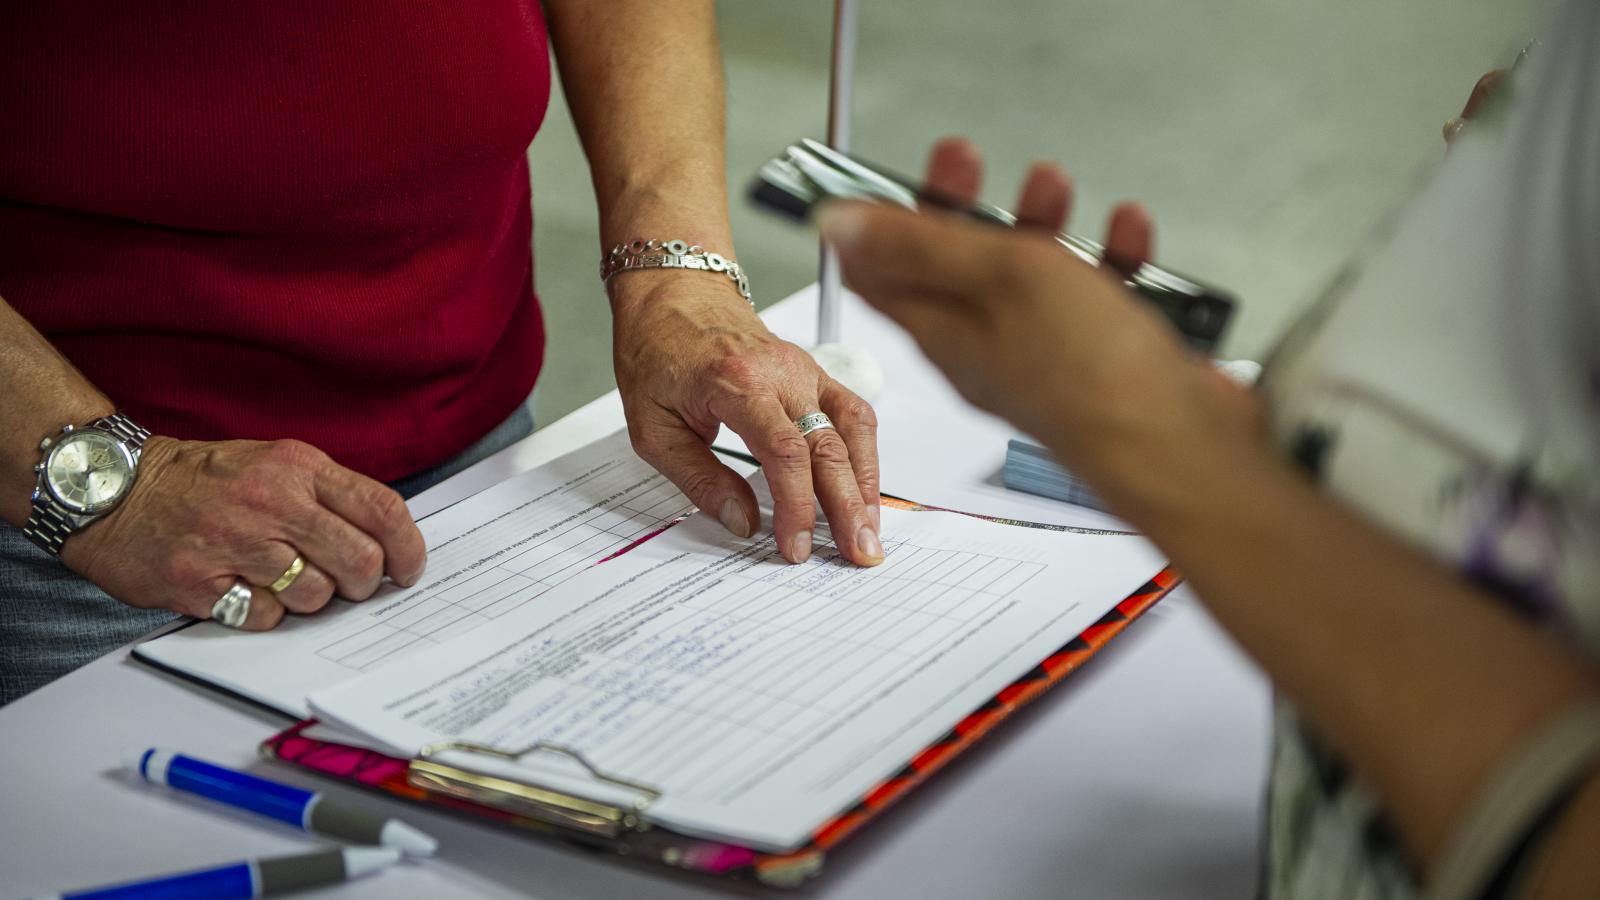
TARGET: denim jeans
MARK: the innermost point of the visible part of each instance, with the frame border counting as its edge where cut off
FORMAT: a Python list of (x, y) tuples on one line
[(52, 620)]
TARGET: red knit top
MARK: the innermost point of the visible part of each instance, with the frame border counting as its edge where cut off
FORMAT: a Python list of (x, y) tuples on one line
[(277, 218)]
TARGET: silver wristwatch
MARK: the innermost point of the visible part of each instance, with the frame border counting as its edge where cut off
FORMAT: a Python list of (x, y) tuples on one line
[(84, 474)]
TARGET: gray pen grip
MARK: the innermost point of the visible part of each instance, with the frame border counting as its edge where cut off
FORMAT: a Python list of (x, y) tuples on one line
[(346, 823), (287, 874)]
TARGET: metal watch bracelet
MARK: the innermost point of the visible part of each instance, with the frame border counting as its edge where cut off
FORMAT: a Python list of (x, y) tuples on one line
[(643, 254), (48, 524), (48, 528)]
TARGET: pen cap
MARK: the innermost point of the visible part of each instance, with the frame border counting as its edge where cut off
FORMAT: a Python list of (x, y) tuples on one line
[(133, 759)]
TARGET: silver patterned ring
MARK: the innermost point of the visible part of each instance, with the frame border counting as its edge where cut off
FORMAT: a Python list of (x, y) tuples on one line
[(233, 607), (810, 422)]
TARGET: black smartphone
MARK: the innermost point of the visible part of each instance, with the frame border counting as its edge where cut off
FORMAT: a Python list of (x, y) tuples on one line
[(809, 172)]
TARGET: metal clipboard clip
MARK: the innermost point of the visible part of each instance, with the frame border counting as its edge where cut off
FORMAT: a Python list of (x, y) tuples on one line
[(523, 798)]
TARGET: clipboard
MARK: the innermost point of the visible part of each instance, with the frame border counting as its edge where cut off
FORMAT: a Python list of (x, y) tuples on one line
[(625, 828)]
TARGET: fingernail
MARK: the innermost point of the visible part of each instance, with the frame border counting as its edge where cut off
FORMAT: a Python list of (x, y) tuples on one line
[(416, 574), (800, 547), (734, 519), (867, 543), (875, 513), (841, 223)]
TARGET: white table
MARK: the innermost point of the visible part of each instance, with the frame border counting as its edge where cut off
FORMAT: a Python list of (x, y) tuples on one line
[(1140, 776)]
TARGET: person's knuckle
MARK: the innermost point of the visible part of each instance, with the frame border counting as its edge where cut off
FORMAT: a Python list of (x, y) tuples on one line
[(389, 505), (645, 442), (829, 449), (789, 450), (698, 485), (309, 598), (857, 413), (366, 561), (295, 454), (255, 491), (266, 620), (315, 582), (179, 569), (322, 591), (792, 356), (738, 371)]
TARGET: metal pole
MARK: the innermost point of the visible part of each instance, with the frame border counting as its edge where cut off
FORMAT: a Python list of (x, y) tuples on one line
[(841, 87)]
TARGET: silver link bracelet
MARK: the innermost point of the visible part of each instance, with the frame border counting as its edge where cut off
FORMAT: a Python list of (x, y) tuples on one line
[(642, 254)]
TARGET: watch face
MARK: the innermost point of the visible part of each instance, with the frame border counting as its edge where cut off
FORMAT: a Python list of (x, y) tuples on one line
[(88, 471)]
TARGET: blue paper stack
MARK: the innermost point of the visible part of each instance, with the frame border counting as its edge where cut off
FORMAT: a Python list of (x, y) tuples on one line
[(1031, 469)]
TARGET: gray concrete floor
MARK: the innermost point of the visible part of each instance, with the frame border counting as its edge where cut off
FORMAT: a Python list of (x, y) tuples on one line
[(1267, 136)]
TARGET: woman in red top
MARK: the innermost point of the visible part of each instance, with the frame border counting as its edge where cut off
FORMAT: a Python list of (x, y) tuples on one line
[(293, 241)]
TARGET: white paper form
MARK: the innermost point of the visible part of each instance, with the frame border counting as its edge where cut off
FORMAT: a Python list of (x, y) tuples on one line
[(761, 698), (487, 556)]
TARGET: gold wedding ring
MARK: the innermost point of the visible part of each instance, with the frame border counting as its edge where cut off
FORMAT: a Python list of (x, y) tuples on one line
[(288, 576)]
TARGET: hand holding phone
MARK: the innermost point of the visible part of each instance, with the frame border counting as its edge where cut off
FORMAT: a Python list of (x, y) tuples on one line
[(807, 173)]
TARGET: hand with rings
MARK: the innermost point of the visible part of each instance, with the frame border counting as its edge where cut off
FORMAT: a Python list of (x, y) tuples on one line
[(233, 607), (691, 357), (244, 531)]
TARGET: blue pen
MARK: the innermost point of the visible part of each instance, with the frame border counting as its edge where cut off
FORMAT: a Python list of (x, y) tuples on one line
[(251, 878), (306, 810)]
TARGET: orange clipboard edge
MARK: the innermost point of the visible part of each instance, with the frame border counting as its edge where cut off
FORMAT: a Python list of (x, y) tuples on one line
[(388, 774)]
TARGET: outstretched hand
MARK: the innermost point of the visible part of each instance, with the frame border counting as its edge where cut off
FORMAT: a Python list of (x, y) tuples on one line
[(1058, 347)]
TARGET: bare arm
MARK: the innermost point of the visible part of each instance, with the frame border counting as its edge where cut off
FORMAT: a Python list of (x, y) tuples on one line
[(202, 514), (43, 391), (645, 85), (1422, 681)]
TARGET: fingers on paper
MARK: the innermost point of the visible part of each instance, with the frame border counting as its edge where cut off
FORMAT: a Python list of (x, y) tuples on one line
[(838, 483), (378, 512), (351, 558), (785, 457), (858, 426), (680, 454)]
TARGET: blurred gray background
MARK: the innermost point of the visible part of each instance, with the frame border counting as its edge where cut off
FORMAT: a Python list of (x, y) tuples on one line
[(1266, 136)]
